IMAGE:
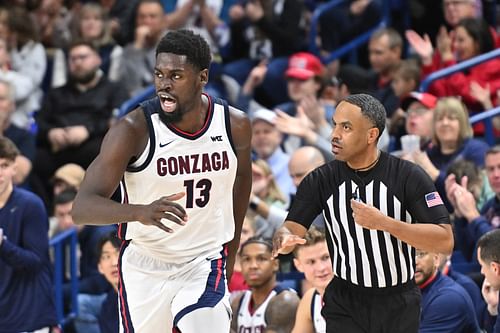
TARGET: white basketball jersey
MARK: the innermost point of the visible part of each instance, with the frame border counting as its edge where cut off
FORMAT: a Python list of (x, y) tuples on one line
[(203, 166), (253, 320), (318, 320)]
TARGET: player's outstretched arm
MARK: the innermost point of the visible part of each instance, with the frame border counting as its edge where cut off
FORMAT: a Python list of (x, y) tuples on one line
[(289, 235), (123, 142), (242, 134)]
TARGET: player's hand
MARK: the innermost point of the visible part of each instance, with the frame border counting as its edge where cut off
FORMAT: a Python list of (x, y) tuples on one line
[(284, 243), (367, 216), (165, 208)]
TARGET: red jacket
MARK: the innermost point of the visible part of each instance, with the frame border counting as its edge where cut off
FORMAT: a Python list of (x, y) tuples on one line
[(458, 84)]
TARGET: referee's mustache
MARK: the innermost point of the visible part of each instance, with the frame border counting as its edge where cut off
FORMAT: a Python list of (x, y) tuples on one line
[(336, 141)]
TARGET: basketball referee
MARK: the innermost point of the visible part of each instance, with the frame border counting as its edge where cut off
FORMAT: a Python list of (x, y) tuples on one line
[(377, 210)]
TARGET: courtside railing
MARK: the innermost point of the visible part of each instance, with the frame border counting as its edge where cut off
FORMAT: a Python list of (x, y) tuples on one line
[(351, 46), (64, 246)]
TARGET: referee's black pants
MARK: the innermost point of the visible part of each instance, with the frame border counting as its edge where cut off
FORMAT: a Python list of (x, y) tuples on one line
[(349, 308)]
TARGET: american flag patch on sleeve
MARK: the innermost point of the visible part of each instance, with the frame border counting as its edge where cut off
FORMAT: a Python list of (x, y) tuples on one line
[(433, 199)]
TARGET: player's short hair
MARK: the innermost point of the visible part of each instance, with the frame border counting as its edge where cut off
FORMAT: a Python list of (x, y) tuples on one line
[(313, 236), (258, 240), (489, 244), (108, 237), (185, 42), (8, 149), (371, 108), (493, 150)]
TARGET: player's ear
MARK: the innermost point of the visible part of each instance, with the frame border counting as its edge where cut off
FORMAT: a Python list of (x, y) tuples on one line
[(298, 265), (276, 265), (204, 76)]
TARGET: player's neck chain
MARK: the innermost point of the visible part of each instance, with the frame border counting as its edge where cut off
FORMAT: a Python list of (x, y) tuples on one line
[(371, 165)]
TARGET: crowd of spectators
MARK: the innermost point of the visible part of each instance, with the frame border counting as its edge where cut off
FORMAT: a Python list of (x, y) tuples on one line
[(67, 66)]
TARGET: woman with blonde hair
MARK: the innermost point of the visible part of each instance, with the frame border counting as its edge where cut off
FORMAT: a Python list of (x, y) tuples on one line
[(452, 140)]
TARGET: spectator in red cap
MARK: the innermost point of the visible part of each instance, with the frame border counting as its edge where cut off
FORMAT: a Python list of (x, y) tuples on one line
[(419, 109), (305, 82)]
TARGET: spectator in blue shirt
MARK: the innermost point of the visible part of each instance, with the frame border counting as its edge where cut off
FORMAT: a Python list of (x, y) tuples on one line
[(488, 254), (108, 252), (26, 294), (470, 222), (446, 306)]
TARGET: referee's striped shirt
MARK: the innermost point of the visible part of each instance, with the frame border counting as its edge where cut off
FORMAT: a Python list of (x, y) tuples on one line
[(364, 257)]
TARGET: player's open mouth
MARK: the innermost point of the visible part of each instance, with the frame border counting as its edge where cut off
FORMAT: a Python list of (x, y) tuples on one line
[(168, 103)]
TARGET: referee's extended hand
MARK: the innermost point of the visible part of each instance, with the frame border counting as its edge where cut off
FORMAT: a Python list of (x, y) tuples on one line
[(164, 208), (367, 216), (284, 243)]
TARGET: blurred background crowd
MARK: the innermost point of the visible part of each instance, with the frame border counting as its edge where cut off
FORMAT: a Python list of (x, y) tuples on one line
[(67, 67)]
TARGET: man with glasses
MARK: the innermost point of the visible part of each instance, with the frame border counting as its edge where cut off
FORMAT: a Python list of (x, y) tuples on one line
[(455, 10), (488, 254), (446, 306), (419, 109)]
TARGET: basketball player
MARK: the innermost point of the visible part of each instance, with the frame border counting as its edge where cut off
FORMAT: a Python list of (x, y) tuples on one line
[(313, 259), (259, 270), (184, 158)]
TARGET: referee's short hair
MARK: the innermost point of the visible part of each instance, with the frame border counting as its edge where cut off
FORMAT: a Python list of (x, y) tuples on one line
[(489, 244), (371, 108)]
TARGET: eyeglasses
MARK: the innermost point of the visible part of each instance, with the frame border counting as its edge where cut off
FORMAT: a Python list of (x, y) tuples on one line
[(418, 111)]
